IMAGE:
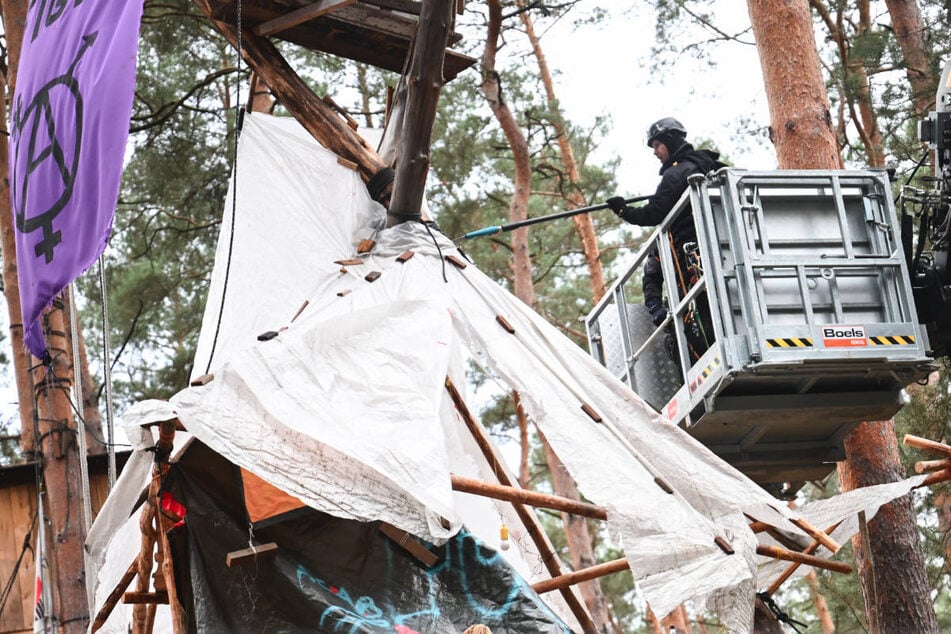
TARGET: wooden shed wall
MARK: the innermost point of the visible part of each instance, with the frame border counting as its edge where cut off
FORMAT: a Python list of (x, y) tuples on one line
[(17, 509)]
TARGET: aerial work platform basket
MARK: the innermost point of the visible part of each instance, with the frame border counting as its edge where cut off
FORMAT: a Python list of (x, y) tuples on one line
[(802, 280)]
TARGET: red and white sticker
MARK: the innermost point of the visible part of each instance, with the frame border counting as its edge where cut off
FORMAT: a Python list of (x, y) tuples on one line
[(844, 336), (672, 409)]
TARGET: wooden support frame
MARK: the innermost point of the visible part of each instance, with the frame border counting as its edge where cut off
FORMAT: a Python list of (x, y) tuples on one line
[(154, 548), (619, 565), (549, 557), (561, 581), (941, 468)]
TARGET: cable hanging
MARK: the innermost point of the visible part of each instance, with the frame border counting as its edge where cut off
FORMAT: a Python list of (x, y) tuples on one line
[(239, 115)]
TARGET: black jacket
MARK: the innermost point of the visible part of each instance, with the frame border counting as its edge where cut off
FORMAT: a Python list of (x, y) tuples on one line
[(674, 173), (684, 163)]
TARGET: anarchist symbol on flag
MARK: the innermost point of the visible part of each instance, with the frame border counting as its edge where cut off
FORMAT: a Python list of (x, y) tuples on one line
[(70, 125)]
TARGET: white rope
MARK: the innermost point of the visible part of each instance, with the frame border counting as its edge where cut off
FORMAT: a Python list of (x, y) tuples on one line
[(107, 376), (78, 396)]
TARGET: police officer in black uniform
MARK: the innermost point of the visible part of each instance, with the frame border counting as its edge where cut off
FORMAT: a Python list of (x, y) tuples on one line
[(679, 160)]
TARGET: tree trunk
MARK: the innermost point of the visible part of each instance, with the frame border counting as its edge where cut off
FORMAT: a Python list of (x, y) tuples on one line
[(425, 80), (14, 19), (583, 224), (895, 587), (912, 37), (800, 123), (891, 563), (523, 284), (61, 476), (819, 601)]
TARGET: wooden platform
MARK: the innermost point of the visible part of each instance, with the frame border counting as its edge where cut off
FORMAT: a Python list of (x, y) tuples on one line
[(375, 32)]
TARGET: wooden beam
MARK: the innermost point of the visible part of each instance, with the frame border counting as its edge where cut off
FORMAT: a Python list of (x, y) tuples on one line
[(252, 553), (167, 569), (785, 574), (816, 534), (928, 445), (314, 114), (145, 598), (524, 496), (425, 80), (532, 525), (932, 465), (408, 543), (935, 478), (113, 599), (299, 16), (571, 578), (618, 565), (790, 555)]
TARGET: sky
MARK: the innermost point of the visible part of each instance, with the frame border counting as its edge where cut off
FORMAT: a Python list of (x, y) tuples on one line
[(605, 69)]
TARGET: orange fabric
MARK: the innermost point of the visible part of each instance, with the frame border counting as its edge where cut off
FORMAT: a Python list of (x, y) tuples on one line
[(264, 500)]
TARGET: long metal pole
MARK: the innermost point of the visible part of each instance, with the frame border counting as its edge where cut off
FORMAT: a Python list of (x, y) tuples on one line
[(494, 229)]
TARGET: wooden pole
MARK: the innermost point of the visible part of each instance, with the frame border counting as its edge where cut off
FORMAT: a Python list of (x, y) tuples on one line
[(610, 567), (425, 81), (790, 555), (784, 575), (523, 496), (928, 445), (549, 557), (571, 578)]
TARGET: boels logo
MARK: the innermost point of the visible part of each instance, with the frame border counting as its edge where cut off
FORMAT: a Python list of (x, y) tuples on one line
[(844, 336)]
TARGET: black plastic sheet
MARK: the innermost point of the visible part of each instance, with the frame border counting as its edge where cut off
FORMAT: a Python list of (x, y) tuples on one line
[(331, 574)]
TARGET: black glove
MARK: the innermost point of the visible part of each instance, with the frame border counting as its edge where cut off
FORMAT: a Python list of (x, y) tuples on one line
[(658, 313), (616, 203)]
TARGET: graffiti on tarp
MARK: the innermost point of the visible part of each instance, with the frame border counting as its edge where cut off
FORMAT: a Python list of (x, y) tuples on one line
[(351, 614)]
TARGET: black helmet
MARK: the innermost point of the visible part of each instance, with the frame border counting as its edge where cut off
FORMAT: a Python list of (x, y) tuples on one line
[(667, 124)]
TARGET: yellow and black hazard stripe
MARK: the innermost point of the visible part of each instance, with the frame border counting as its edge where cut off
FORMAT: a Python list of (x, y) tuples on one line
[(705, 373), (790, 342), (892, 340)]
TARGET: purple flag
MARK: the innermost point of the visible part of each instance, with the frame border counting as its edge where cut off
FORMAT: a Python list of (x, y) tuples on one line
[(70, 123)]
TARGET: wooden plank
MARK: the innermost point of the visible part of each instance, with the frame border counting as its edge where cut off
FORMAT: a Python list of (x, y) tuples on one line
[(246, 555), (406, 6), (23, 504), (12, 617), (408, 543), (144, 598), (299, 16)]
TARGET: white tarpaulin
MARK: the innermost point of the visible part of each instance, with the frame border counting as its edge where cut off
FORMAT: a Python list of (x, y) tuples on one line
[(346, 408)]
